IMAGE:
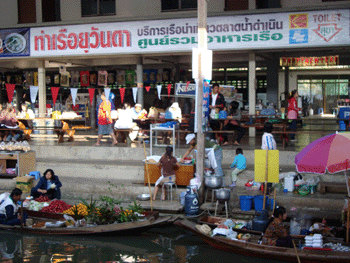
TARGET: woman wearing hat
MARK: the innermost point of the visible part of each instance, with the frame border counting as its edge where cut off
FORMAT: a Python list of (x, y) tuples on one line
[(212, 149), (176, 112)]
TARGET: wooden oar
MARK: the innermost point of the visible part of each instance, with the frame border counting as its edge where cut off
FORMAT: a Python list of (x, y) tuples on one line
[(21, 214), (296, 251), (266, 174), (149, 181)]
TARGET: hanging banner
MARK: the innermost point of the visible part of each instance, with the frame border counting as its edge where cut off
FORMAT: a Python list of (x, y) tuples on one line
[(148, 88), (91, 94), (33, 93), (122, 94), (169, 89), (206, 91), (10, 90), (134, 93), (74, 92), (14, 42), (54, 91), (185, 90), (107, 91), (159, 90)]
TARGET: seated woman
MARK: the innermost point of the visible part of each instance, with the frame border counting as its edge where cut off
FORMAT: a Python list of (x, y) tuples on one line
[(9, 209), (27, 113), (10, 122), (125, 121), (232, 124), (48, 185), (276, 234)]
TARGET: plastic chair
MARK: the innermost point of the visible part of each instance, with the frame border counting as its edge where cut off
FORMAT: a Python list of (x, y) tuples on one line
[(36, 174), (169, 187), (320, 111)]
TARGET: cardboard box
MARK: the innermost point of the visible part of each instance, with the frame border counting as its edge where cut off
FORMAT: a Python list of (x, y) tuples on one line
[(24, 179), (25, 186), (2, 166)]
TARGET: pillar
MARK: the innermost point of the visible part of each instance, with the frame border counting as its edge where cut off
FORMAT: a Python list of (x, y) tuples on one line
[(252, 89), (272, 81), (42, 88), (139, 76), (251, 4)]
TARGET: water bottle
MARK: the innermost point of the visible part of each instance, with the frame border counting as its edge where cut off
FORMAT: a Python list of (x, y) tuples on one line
[(169, 179)]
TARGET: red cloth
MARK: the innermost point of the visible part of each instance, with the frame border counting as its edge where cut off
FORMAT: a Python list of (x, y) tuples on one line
[(10, 90), (104, 113), (292, 109)]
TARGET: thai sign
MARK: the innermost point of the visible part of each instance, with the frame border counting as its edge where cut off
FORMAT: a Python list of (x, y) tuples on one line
[(260, 31), (14, 42), (309, 61)]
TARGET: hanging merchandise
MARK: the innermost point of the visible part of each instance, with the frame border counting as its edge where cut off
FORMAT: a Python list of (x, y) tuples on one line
[(111, 78), (91, 94), (74, 81), (152, 75), (159, 75), (169, 89), (107, 91), (29, 78), (130, 77), (56, 79), (148, 88), (166, 74), (33, 93), (84, 78), (102, 78), (36, 78), (134, 93), (65, 79), (159, 90), (122, 94), (10, 90), (54, 91), (145, 76), (121, 77), (48, 80), (93, 79), (73, 92)]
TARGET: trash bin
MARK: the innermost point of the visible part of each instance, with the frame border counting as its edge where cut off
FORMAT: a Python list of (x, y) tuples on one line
[(245, 202)]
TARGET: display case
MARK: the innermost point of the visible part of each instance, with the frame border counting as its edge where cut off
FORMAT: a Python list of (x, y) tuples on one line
[(22, 162), (81, 107), (155, 129)]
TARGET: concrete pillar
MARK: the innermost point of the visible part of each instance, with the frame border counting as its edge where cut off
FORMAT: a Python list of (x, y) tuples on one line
[(42, 88), (272, 81), (252, 89), (39, 13), (139, 76), (251, 4)]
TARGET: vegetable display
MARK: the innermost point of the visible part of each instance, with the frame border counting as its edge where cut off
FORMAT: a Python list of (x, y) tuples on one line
[(42, 198), (56, 206)]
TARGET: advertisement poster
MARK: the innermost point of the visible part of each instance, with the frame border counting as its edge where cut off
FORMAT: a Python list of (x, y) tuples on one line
[(14, 42)]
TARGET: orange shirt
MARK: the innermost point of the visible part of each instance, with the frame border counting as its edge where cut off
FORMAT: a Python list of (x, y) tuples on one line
[(104, 113)]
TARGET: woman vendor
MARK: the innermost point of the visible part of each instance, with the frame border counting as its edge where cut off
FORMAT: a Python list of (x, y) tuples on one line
[(168, 163), (212, 149), (48, 185), (276, 234), (9, 209)]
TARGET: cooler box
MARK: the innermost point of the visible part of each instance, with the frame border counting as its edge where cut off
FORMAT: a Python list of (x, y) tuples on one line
[(344, 112)]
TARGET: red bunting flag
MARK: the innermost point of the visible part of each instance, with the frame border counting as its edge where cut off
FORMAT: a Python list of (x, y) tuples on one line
[(10, 90), (91, 94), (147, 88), (122, 94), (169, 89), (54, 91), (187, 83)]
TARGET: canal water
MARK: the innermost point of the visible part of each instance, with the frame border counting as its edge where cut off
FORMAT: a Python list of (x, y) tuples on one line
[(166, 244)]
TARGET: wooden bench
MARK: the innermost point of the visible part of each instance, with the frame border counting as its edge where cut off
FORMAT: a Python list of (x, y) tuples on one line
[(332, 187), (27, 132)]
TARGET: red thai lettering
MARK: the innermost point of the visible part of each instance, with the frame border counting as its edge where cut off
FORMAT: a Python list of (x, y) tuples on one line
[(48, 41), (96, 36), (62, 42), (84, 40), (120, 38), (128, 37), (54, 42), (102, 39), (42, 43), (72, 41)]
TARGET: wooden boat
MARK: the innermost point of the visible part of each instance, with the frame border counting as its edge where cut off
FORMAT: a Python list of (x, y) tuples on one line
[(152, 219), (253, 249)]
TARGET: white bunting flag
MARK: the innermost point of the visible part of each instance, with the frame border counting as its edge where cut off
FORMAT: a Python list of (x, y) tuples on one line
[(134, 93), (107, 91), (33, 93), (73, 92), (159, 89)]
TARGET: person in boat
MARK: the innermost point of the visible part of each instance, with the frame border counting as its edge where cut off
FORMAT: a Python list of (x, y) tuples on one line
[(48, 185), (9, 209), (168, 163), (276, 234)]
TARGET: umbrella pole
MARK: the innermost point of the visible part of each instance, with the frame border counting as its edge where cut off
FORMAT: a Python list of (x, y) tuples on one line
[(264, 202), (149, 181), (274, 200)]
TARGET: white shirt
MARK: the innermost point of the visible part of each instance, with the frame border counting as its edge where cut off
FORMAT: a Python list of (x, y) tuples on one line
[(213, 99), (268, 142)]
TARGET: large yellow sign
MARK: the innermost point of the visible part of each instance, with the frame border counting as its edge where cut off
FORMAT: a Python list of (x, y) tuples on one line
[(273, 166)]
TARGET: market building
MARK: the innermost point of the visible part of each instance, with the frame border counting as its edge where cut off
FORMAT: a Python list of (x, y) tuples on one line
[(261, 47)]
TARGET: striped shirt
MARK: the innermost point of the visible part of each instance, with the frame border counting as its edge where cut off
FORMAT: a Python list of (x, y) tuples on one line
[(268, 142)]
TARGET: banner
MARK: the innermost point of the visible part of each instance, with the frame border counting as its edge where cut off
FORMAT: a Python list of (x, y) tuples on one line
[(33, 93), (169, 89), (305, 29), (54, 91), (14, 42), (159, 90), (148, 88), (91, 94), (122, 94), (10, 90), (185, 90), (107, 91), (206, 91), (134, 93), (74, 92)]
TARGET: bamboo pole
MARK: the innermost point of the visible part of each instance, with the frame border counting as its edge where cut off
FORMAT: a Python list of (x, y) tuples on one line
[(274, 200), (149, 181), (266, 174), (296, 251), (22, 223)]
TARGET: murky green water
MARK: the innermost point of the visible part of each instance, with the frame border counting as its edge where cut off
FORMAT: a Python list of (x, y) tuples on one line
[(166, 244)]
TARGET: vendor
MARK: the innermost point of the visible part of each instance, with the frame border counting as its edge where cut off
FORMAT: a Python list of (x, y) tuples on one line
[(216, 104), (48, 185), (27, 113), (212, 149), (168, 163), (9, 209), (276, 234)]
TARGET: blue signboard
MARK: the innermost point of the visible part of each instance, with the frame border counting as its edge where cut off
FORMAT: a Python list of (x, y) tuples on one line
[(14, 42), (182, 90)]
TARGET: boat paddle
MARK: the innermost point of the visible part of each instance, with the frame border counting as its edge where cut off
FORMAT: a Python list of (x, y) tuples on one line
[(21, 215), (149, 181), (274, 200), (296, 252)]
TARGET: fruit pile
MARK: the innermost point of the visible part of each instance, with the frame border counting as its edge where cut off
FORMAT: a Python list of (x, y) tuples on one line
[(56, 206), (80, 209), (42, 198)]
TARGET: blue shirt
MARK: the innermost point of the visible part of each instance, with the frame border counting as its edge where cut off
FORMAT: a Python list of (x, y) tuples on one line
[(240, 162)]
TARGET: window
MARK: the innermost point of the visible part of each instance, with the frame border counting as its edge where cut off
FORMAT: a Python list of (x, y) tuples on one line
[(51, 10), (26, 11), (232, 5), (260, 4), (97, 7), (171, 5)]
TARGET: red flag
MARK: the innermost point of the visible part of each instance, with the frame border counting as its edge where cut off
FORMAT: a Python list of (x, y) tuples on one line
[(10, 90), (187, 83), (169, 89), (91, 94), (54, 91), (122, 93), (147, 88)]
